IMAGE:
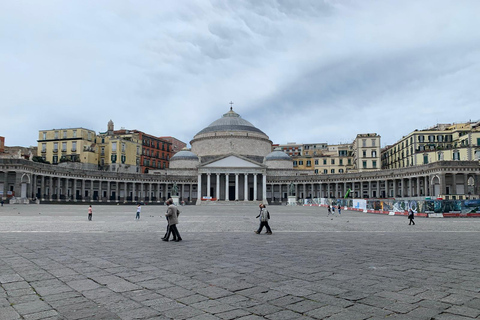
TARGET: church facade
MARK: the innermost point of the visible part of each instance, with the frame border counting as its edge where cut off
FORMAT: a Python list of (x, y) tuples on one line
[(232, 160)]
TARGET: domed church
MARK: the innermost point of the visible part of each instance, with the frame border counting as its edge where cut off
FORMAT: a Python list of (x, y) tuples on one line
[(231, 158)]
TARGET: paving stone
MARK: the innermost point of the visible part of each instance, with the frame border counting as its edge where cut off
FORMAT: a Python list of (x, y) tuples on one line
[(464, 311), (8, 313), (233, 314), (31, 307)]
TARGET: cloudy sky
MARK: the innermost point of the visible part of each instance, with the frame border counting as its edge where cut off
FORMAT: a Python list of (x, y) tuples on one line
[(300, 70)]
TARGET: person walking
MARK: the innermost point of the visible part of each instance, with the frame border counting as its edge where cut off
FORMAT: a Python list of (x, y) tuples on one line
[(139, 209), (339, 209), (411, 216), (329, 210), (333, 210), (90, 212), (172, 216), (264, 216)]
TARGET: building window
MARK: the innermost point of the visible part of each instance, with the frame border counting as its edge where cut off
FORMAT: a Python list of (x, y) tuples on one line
[(374, 163), (456, 155), (56, 134), (364, 153), (325, 171), (44, 136), (123, 147), (340, 170), (294, 163), (89, 136), (364, 164), (138, 150), (64, 147), (332, 171), (316, 162), (324, 161), (74, 146), (309, 163), (364, 142), (316, 171), (102, 161), (425, 159), (440, 156), (349, 161), (373, 142), (421, 138), (114, 147), (341, 162), (55, 147), (44, 147), (300, 162), (55, 160), (102, 151), (374, 153), (332, 161), (74, 132), (64, 134)]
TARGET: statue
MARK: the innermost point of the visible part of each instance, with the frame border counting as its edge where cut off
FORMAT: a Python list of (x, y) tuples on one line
[(175, 189), (291, 189)]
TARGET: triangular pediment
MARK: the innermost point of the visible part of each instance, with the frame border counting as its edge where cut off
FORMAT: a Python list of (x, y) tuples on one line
[(232, 162)]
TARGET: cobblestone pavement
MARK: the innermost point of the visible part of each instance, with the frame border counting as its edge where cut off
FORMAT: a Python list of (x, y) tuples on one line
[(54, 264)]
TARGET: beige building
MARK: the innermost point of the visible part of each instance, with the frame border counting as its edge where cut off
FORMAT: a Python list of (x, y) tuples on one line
[(366, 152), (443, 142), (70, 145), (119, 152), (361, 155)]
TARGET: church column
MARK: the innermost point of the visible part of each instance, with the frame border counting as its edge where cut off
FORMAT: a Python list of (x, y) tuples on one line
[(394, 188), (208, 186), (328, 190), (387, 195), (199, 188), (42, 192), (255, 187), (227, 181), (236, 186), (133, 191), (217, 187), (264, 188), (74, 191), (83, 190), (454, 184), (245, 194)]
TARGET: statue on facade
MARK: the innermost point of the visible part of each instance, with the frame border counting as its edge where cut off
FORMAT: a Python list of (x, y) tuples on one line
[(291, 189)]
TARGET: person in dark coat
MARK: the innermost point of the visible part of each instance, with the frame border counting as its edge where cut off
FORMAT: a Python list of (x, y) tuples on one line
[(264, 217), (411, 216), (172, 217)]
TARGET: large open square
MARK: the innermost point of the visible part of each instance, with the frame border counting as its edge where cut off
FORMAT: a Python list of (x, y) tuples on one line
[(55, 264)]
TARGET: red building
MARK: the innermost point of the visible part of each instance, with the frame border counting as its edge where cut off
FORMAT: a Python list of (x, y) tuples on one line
[(177, 145), (156, 152), (2, 144)]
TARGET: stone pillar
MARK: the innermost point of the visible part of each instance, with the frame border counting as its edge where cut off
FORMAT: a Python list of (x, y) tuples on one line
[(328, 190), (42, 186), (394, 188), (387, 195), (91, 189), (74, 191), (227, 181), (199, 188), (133, 192), (217, 187), (236, 186), (150, 193), (378, 189), (255, 187), (245, 194), (454, 183), (361, 189), (208, 185), (264, 187), (58, 188), (83, 190)]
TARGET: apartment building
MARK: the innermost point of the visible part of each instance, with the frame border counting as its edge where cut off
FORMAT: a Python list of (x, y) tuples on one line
[(177, 145), (2, 144), (366, 152), (76, 145), (119, 151), (442, 142)]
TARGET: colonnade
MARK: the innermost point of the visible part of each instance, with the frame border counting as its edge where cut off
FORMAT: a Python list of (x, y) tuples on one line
[(236, 186)]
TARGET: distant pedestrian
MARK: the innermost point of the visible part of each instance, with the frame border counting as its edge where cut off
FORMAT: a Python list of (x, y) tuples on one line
[(1, 202), (172, 216), (90, 212), (333, 210), (264, 216), (329, 210), (139, 209), (411, 216), (339, 209)]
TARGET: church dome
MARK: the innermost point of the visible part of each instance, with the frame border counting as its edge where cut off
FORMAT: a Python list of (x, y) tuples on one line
[(184, 155), (278, 155), (231, 121)]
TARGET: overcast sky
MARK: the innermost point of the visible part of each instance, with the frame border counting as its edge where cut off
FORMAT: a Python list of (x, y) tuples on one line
[(301, 71)]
